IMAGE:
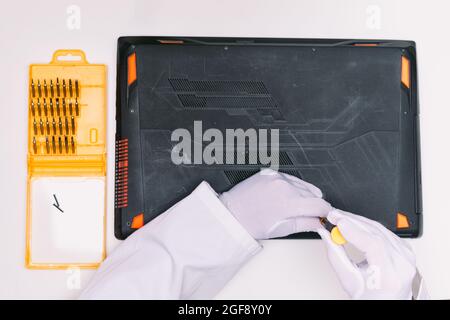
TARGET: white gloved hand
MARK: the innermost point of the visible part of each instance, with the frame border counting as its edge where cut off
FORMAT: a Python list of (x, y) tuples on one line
[(270, 204), (389, 266)]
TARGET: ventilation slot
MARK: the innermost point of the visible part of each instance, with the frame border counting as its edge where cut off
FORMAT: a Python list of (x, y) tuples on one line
[(284, 159), (236, 176), (221, 87), (121, 178), (201, 94), (239, 175)]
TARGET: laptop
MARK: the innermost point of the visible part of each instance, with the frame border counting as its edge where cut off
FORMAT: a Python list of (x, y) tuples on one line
[(340, 114)]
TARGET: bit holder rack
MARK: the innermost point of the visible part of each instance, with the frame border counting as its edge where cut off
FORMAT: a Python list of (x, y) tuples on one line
[(54, 110)]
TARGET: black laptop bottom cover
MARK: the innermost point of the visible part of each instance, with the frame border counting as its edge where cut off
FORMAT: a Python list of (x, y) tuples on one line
[(346, 116)]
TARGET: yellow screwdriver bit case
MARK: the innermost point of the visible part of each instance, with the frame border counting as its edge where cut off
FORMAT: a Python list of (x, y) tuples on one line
[(66, 188)]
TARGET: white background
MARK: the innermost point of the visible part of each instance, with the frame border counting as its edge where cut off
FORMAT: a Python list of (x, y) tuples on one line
[(31, 30)]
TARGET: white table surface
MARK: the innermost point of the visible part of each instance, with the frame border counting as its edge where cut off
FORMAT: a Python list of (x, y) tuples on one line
[(31, 30)]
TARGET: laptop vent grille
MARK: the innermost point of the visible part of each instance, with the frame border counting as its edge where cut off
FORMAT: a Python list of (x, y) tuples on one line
[(236, 176), (121, 174), (222, 94), (224, 87)]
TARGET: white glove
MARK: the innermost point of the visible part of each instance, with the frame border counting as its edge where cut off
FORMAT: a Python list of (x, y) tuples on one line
[(389, 266), (270, 204)]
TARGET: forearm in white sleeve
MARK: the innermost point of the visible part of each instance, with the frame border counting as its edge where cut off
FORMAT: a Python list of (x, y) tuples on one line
[(189, 252), (420, 291)]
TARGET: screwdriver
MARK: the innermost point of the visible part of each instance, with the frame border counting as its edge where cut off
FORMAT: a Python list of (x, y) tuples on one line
[(336, 235), (354, 254)]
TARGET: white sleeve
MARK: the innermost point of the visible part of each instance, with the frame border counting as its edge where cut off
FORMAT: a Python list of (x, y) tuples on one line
[(189, 252), (419, 288)]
